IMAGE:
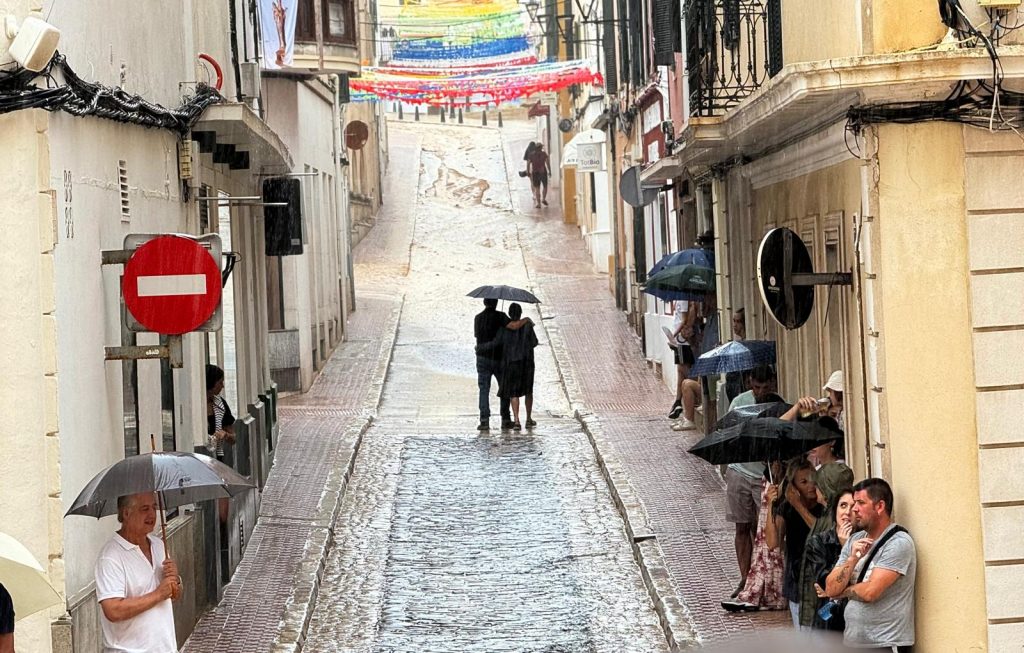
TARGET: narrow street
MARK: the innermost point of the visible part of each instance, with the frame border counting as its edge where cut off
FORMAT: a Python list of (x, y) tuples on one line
[(390, 524), (448, 539)]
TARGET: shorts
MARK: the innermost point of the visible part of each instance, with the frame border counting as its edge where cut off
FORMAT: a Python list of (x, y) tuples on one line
[(683, 355), (743, 498), (539, 179)]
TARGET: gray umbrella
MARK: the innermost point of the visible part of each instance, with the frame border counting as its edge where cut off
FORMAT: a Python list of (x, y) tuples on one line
[(177, 477), (506, 293)]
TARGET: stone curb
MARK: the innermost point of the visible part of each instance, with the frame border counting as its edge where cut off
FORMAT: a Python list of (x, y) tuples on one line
[(675, 618), (299, 609)]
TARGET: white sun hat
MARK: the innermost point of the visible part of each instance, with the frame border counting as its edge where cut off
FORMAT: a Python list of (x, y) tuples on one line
[(835, 382)]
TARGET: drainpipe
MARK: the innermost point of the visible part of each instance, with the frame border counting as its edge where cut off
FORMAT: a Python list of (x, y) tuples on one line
[(346, 289), (869, 343), (233, 18)]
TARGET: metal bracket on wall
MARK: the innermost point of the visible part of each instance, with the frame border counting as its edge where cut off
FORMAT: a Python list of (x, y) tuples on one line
[(171, 351)]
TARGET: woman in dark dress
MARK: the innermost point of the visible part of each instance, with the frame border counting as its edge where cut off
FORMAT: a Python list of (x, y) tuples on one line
[(517, 341), (220, 424)]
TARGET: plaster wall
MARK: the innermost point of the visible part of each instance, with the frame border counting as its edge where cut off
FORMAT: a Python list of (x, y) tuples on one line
[(814, 30), (146, 46), (929, 383), (893, 26), (995, 234), (86, 152), (820, 207), (302, 113), (29, 466)]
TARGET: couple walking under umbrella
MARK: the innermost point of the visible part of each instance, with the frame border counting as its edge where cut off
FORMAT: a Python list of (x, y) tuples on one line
[(504, 350)]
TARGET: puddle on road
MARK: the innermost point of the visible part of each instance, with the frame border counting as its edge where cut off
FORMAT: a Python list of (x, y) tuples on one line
[(494, 544)]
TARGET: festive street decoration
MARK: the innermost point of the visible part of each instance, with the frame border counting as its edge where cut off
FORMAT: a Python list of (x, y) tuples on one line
[(462, 52)]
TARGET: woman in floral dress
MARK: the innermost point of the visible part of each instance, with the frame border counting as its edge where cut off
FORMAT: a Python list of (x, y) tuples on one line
[(763, 589)]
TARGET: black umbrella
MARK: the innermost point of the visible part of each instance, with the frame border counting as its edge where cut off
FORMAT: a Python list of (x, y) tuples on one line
[(765, 439), (744, 413), (505, 293), (176, 477)]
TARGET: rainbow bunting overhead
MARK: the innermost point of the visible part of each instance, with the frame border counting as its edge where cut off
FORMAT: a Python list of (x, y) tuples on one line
[(465, 51)]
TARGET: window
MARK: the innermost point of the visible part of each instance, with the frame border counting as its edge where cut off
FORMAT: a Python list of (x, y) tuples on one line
[(337, 16)]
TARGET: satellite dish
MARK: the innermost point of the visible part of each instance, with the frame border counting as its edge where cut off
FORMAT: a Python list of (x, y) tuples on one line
[(565, 125), (635, 193), (356, 135), (786, 278)]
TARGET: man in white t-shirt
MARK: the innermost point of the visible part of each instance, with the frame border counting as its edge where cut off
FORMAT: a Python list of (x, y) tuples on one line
[(135, 583)]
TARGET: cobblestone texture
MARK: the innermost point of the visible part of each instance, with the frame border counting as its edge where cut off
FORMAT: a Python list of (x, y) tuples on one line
[(624, 403)]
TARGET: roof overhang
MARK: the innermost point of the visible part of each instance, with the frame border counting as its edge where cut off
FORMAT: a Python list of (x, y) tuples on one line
[(236, 124)]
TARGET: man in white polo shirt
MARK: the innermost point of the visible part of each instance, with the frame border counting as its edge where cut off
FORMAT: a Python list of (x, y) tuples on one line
[(135, 583)]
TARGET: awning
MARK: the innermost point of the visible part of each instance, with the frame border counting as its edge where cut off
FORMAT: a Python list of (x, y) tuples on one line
[(569, 155), (662, 171), (235, 124)]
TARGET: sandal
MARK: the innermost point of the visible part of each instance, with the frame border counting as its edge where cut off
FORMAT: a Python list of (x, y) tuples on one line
[(517, 426), (530, 423)]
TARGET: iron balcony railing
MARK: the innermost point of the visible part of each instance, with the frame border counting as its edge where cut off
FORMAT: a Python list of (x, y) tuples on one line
[(732, 48)]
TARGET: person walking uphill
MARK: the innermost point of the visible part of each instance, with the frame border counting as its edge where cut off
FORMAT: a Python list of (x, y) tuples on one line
[(517, 342), (539, 168), (486, 326)]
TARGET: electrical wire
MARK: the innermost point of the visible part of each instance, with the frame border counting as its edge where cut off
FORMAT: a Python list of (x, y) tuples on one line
[(81, 98)]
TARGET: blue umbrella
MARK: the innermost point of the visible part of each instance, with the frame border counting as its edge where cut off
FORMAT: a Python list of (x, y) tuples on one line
[(735, 356), (702, 257)]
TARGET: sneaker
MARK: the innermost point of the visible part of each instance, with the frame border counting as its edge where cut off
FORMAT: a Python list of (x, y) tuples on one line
[(684, 425), (677, 410), (484, 426), (739, 606)]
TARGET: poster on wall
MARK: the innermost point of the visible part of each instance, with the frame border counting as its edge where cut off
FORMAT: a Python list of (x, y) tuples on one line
[(589, 157), (277, 22)]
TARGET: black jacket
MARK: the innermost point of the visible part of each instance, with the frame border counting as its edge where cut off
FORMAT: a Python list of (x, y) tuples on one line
[(485, 328), (820, 557)]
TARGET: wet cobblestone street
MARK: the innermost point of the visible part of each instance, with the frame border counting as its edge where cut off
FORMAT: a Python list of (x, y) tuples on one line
[(452, 540), (390, 524)]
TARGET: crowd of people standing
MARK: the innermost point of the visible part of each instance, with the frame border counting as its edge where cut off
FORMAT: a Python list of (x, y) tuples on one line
[(808, 539)]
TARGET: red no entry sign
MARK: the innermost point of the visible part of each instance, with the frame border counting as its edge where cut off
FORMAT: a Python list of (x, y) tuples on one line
[(171, 285)]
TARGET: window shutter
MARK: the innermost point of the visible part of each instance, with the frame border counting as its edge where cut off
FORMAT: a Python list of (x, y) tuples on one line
[(611, 61), (667, 39)]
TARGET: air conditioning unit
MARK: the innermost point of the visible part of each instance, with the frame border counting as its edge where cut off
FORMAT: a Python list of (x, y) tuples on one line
[(249, 72)]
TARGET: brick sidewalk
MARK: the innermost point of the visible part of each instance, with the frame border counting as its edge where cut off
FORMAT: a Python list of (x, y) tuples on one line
[(609, 382), (268, 602)]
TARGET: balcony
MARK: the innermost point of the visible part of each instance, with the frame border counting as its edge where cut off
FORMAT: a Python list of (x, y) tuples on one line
[(732, 48), (340, 33)]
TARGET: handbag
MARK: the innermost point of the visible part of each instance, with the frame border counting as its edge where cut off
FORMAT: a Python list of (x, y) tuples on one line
[(837, 607)]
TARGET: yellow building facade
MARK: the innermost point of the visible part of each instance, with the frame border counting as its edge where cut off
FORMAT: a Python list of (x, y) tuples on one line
[(928, 217)]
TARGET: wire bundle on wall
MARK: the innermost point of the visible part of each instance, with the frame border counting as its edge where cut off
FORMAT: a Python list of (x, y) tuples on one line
[(980, 103), (81, 98)]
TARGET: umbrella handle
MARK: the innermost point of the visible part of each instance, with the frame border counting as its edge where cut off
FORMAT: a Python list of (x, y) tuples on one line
[(160, 501)]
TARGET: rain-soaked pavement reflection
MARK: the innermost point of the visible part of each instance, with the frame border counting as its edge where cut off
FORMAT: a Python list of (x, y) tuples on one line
[(450, 540)]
